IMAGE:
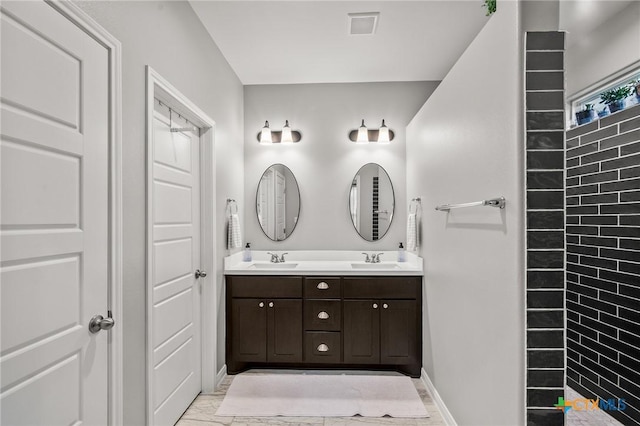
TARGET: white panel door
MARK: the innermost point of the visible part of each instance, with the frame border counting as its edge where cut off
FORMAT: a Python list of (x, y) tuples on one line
[(281, 208), (54, 150), (175, 316)]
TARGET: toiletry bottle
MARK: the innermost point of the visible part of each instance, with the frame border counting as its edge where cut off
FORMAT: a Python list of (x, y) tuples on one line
[(246, 254), (402, 254)]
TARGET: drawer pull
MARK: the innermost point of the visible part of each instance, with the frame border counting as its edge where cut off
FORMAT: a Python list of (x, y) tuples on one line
[(323, 315), (385, 306), (323, 348), (375, 306), (261, 304), (271, 304), (322, 285)]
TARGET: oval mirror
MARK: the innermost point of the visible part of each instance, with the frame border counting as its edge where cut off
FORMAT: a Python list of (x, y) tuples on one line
[(371, 202), (278, 202)]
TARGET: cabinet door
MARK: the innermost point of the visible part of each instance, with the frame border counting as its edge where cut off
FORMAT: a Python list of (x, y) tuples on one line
[(249, 330), (398, 332), (284, 343), (361, 331)]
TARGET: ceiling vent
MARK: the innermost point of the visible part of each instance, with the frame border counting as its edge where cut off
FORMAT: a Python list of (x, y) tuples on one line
[(363, 23)]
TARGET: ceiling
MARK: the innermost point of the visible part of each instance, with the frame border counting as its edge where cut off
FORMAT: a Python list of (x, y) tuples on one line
[(579, 18), (286, 42)]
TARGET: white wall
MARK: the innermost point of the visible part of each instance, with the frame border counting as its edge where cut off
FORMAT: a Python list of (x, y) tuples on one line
[(325, 161), (593, 56), (466, 144), (169, 37)]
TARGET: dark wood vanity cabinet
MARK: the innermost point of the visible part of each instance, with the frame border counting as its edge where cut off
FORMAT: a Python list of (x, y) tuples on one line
[(382, 321), (324, 322), (264, 320)]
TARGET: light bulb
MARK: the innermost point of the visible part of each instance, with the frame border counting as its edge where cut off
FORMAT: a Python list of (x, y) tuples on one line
[(363, 134), (383, 134), (265, 134), (286, 133)]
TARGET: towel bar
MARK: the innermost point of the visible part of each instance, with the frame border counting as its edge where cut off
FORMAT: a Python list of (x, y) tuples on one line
[(493, 202)]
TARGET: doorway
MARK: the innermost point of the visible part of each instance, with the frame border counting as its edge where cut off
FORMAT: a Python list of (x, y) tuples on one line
[(61, 218), (180, 252)]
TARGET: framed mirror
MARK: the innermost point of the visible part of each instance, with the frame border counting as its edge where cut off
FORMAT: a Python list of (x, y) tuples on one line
[(278, 202), (371, 202)]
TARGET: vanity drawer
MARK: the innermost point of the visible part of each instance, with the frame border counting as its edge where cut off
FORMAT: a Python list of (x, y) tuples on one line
[(381, 287), (322, 347), (324, 315), (264, 286), (322, 288)]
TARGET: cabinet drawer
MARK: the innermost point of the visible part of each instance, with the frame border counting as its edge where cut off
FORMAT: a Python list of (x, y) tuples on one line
[(264, 286), (381, 287), (322, 347), (323, 315), (322, 288)]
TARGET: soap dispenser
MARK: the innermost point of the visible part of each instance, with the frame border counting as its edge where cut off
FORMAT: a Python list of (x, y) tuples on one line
[(246, 254), (402, 254)]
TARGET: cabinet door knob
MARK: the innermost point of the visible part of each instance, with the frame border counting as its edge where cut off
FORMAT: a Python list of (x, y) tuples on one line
[(323, 348), (271, 304), (322, 285), (323, 315), (375, 306), (261, 304), (385, 306)]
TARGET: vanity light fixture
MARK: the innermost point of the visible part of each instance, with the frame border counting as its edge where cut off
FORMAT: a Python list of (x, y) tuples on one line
[(286, 133), (266, 136), (362, 135), (383, 134)]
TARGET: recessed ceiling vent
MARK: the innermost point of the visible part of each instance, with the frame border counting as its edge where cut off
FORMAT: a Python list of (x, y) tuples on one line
[(363, 23)]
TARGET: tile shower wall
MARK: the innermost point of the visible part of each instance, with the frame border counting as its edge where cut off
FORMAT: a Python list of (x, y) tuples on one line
[(544, 86), (603, 260)]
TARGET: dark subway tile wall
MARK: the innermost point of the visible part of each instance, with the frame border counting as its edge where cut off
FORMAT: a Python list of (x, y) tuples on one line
[(603, 261), (545, 205)]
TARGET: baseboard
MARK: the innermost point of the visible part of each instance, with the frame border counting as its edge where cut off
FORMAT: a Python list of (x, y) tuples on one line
[(435, 396), (221, 375)]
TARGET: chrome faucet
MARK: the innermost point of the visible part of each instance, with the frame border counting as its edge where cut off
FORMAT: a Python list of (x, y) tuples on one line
[(275, 258), (375, 258), (367, 259)]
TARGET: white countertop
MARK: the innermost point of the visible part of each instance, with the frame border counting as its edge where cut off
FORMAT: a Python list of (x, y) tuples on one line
[(323, 262)]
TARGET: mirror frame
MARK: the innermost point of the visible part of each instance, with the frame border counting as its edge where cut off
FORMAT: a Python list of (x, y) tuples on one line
[(393, 210), (299, 202)]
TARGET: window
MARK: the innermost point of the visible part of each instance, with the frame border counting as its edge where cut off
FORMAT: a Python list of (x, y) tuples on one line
[(600, 109)]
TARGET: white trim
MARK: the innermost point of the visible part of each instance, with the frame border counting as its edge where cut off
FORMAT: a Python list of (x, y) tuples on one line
[(158, 87), (116, 360), (222, 374), (435, 396)]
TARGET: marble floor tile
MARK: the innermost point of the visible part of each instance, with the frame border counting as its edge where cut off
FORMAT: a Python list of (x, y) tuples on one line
[(587, 417)]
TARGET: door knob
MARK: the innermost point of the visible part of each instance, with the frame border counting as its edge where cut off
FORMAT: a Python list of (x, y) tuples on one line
[(98, 322), (385, 306), (200, 274), (261, 304), (375, 306), (271, 304), (323, 315)]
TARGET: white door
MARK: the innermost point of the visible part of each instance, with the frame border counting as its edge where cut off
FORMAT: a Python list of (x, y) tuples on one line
[(54, 228), (175, 318), (280, 187)]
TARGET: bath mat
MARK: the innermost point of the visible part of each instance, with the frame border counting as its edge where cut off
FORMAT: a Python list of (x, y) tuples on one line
[(319, 395)]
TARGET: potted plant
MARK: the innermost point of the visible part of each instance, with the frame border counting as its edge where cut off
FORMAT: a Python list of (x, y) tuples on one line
[(635, 86), (614, 98), (586, 115)]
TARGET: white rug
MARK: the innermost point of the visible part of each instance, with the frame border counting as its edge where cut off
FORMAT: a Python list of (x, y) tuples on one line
[(309, 395)]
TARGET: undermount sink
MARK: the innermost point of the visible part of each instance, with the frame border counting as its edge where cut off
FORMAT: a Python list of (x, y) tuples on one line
[(273, 265), (375, 266)]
